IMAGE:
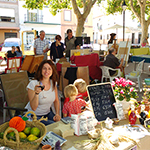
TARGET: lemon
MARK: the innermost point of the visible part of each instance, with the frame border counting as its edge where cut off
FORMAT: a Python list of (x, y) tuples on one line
[(148, 116), (35, 131), (148, 126), (129, 112), (27, 130), (22, 135), (11, 134), (32, 137)]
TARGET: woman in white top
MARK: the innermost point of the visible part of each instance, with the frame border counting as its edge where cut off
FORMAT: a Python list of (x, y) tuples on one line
[(42, 100)]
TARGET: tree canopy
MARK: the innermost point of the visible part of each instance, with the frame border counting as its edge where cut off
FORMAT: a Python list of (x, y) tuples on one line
[(140, 9), (56, 6)]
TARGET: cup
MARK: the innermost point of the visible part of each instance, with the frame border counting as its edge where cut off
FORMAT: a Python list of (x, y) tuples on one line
[(46, 147)]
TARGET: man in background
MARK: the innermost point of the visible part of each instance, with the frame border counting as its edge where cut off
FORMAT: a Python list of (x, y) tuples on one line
[(41, 46), (112, 61), (70, 43)]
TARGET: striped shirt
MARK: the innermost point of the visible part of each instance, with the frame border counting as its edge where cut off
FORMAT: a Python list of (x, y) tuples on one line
[(39, 45)]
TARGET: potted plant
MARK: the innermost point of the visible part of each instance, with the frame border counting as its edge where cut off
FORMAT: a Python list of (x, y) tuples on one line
[(124, 93)]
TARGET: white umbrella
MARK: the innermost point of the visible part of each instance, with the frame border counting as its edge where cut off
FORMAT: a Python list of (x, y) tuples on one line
[(116, 26)]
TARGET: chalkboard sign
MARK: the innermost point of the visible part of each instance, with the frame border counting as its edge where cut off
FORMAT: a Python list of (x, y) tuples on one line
[(102, 99)]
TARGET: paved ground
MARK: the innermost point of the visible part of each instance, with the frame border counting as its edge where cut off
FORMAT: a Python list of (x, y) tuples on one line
[(128, 69)]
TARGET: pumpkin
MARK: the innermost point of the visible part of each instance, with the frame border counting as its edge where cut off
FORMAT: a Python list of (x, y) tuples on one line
[(18, 123)]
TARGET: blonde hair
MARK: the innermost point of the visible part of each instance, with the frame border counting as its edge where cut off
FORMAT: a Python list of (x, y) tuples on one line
[(70, 90), (80, 85)]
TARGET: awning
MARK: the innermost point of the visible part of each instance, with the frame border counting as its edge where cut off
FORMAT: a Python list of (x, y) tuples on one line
[(7, 12), (9, 28)]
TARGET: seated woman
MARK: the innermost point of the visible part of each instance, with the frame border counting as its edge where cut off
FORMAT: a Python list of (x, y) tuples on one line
[(42, 92), (57, 48), (18, 52), (112, 61)]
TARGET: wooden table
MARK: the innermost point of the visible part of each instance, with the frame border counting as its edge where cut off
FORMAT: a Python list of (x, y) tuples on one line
[(144, 142)]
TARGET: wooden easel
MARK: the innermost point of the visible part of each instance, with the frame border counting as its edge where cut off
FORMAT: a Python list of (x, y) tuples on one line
[(13, 65), (124, 51)]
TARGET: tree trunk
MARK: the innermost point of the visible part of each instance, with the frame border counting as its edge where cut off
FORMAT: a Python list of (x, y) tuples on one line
[(80, 26), (144, 26)]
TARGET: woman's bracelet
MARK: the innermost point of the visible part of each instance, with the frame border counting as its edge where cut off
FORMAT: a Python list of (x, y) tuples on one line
[(36, 93)]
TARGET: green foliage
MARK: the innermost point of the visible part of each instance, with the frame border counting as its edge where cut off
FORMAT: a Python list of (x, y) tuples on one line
[(114, 6), (55, 6)]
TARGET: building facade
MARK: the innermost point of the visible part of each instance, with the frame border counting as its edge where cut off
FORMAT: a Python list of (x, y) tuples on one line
[(104, 24), (69, 21), (38, 20), (9, 19)]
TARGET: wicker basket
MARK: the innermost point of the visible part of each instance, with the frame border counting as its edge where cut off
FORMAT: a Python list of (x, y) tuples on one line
[(17, 145)]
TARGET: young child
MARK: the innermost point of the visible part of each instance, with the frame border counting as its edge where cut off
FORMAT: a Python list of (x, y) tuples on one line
[(73, 106), (80, 84)]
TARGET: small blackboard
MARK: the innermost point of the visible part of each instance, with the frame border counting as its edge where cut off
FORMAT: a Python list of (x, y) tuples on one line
[(102, 99)]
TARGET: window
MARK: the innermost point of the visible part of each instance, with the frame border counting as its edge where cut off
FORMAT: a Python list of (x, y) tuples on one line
[(10, 35), (7, 15), (32, 16), (67, 15), (101, 37), (107, 36)]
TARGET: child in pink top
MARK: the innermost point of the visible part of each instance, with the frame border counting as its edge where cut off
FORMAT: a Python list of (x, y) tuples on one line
[(73, 106)]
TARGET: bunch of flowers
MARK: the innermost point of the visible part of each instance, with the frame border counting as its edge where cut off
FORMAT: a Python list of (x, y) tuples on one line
[(146, 95), (123, 89)]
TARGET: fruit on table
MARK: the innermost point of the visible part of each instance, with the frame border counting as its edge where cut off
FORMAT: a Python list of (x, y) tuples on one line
[(35, 131), (11, 136), (27, 130), (148, 126), (32, 137), (22, 135), (148, 116), (18, 123), (1, 135)]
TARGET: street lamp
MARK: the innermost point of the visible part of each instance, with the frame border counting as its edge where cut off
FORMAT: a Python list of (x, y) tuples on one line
[(124, 8)]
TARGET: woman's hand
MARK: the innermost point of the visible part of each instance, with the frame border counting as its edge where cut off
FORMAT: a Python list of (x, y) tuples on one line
[(56, 117), (37, 89)]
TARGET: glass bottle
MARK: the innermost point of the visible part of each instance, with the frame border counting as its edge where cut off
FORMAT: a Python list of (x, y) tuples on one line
[(132, 116), (142, 115)]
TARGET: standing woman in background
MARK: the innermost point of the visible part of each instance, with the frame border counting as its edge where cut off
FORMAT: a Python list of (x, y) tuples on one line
[(56, 49), (18, 52)]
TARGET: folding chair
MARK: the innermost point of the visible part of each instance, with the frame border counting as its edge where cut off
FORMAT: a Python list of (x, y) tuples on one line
[(15, 93)]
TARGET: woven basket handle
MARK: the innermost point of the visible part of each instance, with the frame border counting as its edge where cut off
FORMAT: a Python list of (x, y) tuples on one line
[(35, 117), (16, 134)]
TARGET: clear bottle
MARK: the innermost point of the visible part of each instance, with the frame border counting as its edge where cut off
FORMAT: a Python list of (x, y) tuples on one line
[(29, 117)]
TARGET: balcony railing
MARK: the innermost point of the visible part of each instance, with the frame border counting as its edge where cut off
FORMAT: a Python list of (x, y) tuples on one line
[(36, 18)]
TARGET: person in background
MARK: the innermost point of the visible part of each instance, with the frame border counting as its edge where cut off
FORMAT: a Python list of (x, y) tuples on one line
[(74, 106), (145, 42), (70, 43), (41, 46), (112, 38), (56, 49), (42, 92), (112, 61), (18, 52), (11, 53)]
